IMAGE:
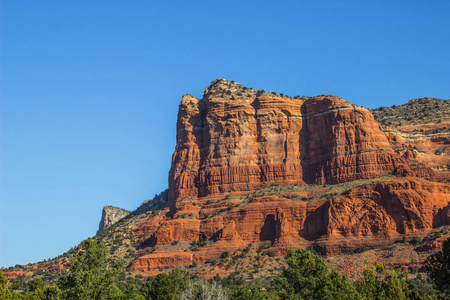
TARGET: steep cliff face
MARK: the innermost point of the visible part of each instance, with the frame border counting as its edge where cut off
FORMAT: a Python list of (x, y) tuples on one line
[(344, 143), (235, 139), (257, 168), (110, 215)]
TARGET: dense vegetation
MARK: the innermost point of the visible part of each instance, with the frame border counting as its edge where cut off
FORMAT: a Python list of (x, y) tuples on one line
[(91, 276)]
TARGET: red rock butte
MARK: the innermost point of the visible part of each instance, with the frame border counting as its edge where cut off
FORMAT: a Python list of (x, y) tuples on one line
[(256, 167), (242, 140)]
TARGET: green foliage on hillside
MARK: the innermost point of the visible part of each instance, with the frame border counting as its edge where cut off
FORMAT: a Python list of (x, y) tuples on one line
[(319, 191), (91, 276), (4, 292), (308, 277), (438, 267), (416, 111)]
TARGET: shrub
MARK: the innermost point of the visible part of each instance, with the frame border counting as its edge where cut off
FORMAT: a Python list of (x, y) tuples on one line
[(308, 277), (439, 151), (360, 249), (415, 241), (438, 268)]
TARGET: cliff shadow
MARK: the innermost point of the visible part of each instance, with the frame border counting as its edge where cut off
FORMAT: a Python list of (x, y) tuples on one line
[(441, 217), (316, 223), (303, 144), (150, 242), (269, 229)]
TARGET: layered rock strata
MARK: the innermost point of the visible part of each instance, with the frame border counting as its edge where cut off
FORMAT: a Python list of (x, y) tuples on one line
[(235, 139), (369, 216), (329, 158)]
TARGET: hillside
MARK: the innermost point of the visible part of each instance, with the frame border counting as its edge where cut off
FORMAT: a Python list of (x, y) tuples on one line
[(424, 115), (255, 174)]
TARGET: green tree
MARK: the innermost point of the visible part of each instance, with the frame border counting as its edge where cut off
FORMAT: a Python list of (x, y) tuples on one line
[(308, 277), (5, 294), (249, 293), (164, 286), (395, 287), (421, 288), (380, 285), (131, 293), (438, 268), (35, 284), (51, 293), (89, 276), (371, 285)]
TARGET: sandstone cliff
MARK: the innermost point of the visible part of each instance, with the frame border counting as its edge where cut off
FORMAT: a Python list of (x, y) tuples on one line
[(255, 168), (235, 139)]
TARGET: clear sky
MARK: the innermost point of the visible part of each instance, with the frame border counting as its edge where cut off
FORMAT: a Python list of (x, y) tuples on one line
[(90, 90)]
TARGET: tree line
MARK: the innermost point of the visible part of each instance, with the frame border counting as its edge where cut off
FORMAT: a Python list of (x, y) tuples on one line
[(90, 276)]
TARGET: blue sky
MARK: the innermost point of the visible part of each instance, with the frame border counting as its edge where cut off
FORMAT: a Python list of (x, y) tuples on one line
[(90, 90)]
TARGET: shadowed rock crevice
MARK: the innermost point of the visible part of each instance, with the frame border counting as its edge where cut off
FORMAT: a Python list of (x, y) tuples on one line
[(269, 229), (316, 223)]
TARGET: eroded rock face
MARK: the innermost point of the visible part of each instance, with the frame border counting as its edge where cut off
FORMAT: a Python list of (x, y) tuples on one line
[(235, 139), (110, 215), (14, 274), (162, 260), (369, 216), (400, 205), (343, 143)]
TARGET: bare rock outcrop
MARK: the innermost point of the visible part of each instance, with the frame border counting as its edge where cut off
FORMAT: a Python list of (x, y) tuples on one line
[(110, 215)]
